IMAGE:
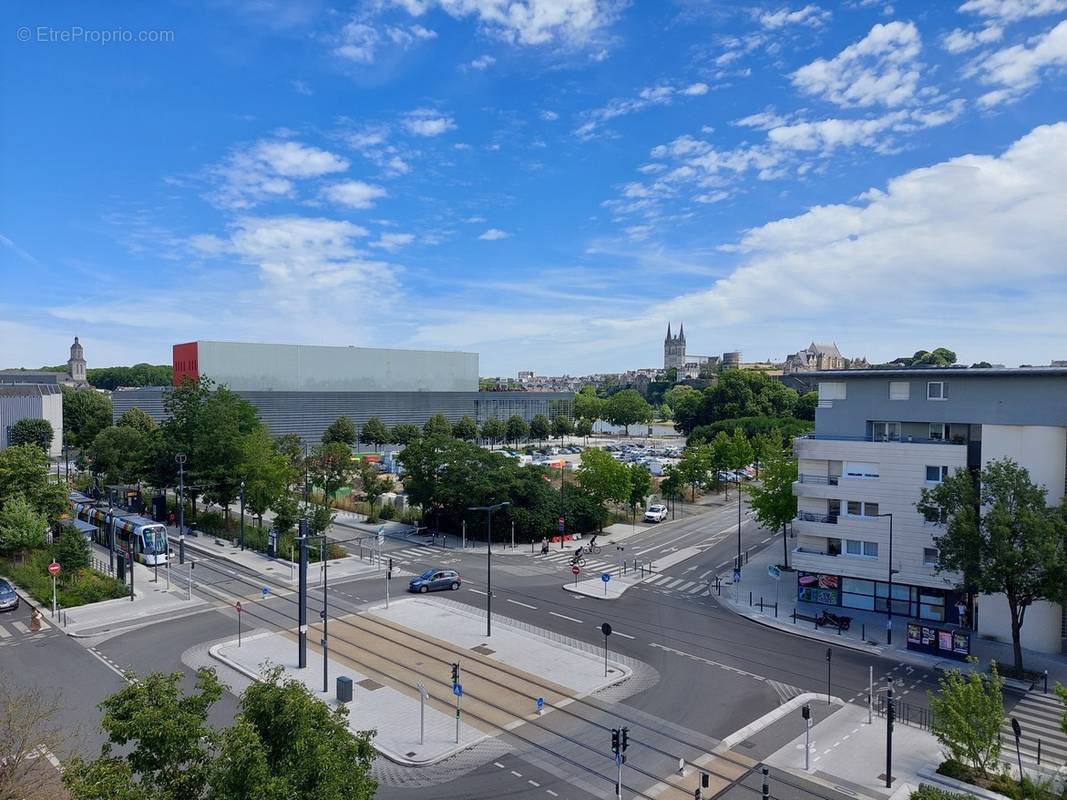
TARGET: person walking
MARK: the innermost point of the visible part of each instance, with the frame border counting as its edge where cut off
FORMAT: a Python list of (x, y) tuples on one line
[(544, 545), (35, 620)]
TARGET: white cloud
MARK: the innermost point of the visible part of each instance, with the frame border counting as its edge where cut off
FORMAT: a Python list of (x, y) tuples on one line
[(294, 160), (695, 90), (808, 15), (302, 87), (427, 122), (549, 116), (354, 194), (960, 41), (660, 95), (1017, 69), (266, 171), (529, 22), (493, 235), (880, 69), (482, 63), (360, 41), (392, 242), (1013, 10)]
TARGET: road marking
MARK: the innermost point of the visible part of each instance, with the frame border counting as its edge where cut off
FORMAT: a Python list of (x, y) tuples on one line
[(533, 783), (707, 661), (705, 574), (564, 616), (686, 586), (725, 564), (476, 591), (20, 627), (498, 764), (549, 791), (524, 605), (107, 663), (4, 633), (764, 541), (519, 774)]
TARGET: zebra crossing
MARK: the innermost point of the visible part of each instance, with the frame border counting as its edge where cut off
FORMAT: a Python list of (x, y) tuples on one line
[(592, 564), (1039, 717), (670, 584), (16, 631)]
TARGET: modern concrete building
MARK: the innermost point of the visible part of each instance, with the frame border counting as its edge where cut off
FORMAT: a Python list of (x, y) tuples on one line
[(34, 401), (302, 390), (881, 436)]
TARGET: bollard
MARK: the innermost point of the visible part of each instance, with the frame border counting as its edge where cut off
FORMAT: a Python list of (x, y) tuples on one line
[(1039, 752), (1046, 681), (794, 616), (839, 629), (776, 609), (863, 631), (750, 599)]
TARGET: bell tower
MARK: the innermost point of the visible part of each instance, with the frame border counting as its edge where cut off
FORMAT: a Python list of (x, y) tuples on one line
[(674, 348), (76, 363)]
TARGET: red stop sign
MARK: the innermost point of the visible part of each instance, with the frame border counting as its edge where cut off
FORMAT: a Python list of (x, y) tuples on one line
[(53, 569), (575, 569), (238, 606)]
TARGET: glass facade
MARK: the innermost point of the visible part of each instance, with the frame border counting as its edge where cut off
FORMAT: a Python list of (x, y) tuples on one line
[(920, 602)]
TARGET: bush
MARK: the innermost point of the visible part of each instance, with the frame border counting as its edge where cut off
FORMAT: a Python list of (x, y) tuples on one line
[(73, 587), (387, 511), (928, 792)]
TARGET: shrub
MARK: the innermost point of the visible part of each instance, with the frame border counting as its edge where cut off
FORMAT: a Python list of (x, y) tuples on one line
[(387, 511), (928, 792)]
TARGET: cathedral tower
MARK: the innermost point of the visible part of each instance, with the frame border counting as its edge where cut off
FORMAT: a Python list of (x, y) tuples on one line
[(674, 348)]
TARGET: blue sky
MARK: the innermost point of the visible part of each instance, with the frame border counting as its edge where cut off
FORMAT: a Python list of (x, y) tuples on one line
[(545, 182)]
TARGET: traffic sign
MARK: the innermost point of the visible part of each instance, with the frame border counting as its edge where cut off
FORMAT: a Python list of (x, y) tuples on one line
[(575, 569), (381, 535), (737, 576), (606, 629), (238, 606), (605, 576), (540, 703), (774, 571), (265, 590), (53, 569), (562, 524), (457, 689)]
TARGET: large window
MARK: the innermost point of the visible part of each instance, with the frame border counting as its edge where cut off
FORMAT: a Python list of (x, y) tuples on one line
[(885, 431), (859, 470), (899, 390), (930, 556), (856, 547), (935, 390), (936, 474), (832, 390), (862, 508)]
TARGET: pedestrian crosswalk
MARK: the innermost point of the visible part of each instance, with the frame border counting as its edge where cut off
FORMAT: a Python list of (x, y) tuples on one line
[(1039, 716), (12, 631), (673, 585), (592, 563)]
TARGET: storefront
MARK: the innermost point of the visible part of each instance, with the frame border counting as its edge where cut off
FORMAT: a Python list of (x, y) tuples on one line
[(916, 602)]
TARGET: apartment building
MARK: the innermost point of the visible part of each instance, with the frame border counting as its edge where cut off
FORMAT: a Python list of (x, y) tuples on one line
[(881, 436)]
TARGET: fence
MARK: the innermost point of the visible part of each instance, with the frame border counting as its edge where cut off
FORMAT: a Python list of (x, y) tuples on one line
[(103, 567), (907, 714)]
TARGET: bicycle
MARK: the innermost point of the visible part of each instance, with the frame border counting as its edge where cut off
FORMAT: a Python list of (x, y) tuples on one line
[(593, 549), (578, 561)]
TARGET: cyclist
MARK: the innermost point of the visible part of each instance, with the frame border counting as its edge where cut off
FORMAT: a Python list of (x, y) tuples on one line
[(577, 555)]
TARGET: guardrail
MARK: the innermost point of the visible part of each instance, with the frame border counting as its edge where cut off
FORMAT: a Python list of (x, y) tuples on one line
[(824, 480), (807, 516)]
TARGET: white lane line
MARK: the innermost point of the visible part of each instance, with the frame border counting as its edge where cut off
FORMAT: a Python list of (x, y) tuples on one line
[(564, 616), (533, 783), (476, 591), (623, 635), (498, 764), (656, 579), (549, 791), (5, 633), (705, 574), (764, 541), (524, 605), (519, 774), (725, 564), (685, 586), (106, 663), (674, 582)]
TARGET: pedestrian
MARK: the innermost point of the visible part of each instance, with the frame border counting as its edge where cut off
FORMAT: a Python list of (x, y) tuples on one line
[(35, 619), (544, 545), (171, 519)]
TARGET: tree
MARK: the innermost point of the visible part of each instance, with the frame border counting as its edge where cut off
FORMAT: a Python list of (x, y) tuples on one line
[(671, 485), (112, 378), (466, 429), (22, 527), (540, 427), (24, 473), (587, 405), (605, 479), (31, 430), (29, 721), (721, 456), (330, 467), (341, 430), (562, 426), (584, 428), (968, 711), (373, 483), (493, 430), (627, 408), (692, 468), (773, 503), (746, 393), (437, 425), (374, 433), (71, 549), (118, 454), (286, 514), (137, 419), (685, 402), (321, 519), (1001, 538), (404, 434), (640, 487), (806, 405), (765, 446), (1061, 690), (86, 412), (268, 470), (516, 429)]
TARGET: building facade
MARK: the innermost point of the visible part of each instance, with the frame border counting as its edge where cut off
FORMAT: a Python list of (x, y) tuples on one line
[(674, 349), (74, 376), (881, 436), (33, 401)]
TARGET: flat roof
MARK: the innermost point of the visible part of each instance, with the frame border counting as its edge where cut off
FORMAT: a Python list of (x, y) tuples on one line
[(325, 346), (960, 372)]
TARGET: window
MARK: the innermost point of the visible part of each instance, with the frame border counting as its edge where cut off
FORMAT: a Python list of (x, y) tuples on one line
[(935, 474), (899, 390), (937, 516), (833, 546), (870, 549), (859, 470), (861, 508), (855, 547), (834, 390), (885, 431), (855, 508), (938, 431), (833, 508), (935, 390), (870, 509), (930, 555)]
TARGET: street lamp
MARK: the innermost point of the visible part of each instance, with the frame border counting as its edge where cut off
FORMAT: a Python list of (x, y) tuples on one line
[(181, 459), (489, 563), (889, 592), (242, 515), (738, 477)]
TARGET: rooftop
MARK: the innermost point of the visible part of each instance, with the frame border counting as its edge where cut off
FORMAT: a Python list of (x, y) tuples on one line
[(955, 372)]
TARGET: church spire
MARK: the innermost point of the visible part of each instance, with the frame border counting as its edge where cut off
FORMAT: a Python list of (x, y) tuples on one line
[(681, 331), (668, 331)]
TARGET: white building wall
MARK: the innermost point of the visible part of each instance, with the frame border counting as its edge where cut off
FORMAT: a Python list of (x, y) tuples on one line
[(1041, 449), (1041, 629), (34, 405)]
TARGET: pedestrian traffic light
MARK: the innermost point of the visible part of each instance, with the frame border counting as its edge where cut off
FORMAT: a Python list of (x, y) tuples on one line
[(615, 741), (455, 674), (625, 739), (891, 711), (389, 572), (705, 780), (806, 712), (829, 653)]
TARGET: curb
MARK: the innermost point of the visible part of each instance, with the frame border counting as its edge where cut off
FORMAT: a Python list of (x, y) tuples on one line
[(149, 620), (936, 779), (570, 587), (771, 717)]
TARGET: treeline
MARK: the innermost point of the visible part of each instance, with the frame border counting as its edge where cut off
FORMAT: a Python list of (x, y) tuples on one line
[(111, 378)]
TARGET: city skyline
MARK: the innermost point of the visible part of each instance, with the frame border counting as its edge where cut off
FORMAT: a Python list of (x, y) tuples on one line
[(546, 189)]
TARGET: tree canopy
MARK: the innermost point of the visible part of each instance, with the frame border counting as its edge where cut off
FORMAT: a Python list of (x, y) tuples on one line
[(112, 378), (587, 405), (405, 433), (24, 473), (466, 429), (494, 430), (772, 500), (374, 433), (437, 425), (540, 427), (340, 430), (605, 479), (32, 430), (137, 419), (627, 408), (516, 429), (86, 412)]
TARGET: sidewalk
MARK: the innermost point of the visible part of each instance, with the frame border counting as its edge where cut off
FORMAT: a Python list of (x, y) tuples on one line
[(868, 629)]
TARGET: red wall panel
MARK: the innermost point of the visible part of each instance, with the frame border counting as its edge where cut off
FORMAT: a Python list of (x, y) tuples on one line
[(184, 363)]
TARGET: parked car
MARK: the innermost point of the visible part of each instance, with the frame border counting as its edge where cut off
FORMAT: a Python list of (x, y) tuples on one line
[(433, 580), (9, 601), (656, 513)]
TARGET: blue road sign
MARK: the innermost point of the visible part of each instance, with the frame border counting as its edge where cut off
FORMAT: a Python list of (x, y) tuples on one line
[(266, 591), (540, 703), (605, 576), (457, 689), (737, 576)]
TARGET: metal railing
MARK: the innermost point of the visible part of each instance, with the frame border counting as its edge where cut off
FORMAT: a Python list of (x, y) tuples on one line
[(907, 713), (905, 439), (824, 480), (807, 516)]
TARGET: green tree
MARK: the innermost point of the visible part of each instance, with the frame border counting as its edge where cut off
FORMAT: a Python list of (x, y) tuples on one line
[(516, 429), (31, 430), (685, 403), (627, 408), (404, 434), (104, 778), (584, 428), (540, 427), (693, 467), (1061, 690), (746, 393), (374, 433), (722, 456), (111, 378), (640, 488), (137, 419), (671, 485), (340, 430), (773, 503), (118, 454), (321, 518), (437, 425), (330, 467), (286, 514), (22, 527), (30, 721), (86, 412), (493, 430), (562, 426), (372, 482), (71, 549), (1001, 538), (267, 470), (24, 473), (605, 479), (587, 405), (806, 405), (466, 429), (968, 711)]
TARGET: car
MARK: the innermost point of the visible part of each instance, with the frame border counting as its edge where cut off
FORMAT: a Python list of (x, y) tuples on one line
[(9, 600), (656, 513), (433, 580)]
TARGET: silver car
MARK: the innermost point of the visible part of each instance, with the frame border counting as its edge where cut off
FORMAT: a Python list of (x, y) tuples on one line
[(9, 600)]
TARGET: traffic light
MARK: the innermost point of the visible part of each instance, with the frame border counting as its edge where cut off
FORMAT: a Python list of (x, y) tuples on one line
[(829, 653), (615, 741), (389, 572), (625, 739), (806, 712), (891, 711), (455, 674)]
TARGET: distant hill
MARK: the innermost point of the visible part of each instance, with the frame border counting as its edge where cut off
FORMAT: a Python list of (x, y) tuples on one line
[(137, 375)]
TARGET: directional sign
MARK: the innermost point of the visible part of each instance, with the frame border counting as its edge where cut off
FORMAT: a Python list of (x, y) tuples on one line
[(53, 569), (774, 571), (265, 590), (605, 576), (540, 703), (457, 689), (575, 569)]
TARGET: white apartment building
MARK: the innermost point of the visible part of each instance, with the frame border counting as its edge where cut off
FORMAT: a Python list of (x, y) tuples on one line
[(881, 436)]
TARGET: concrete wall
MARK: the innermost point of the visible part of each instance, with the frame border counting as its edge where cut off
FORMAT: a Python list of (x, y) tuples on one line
[(1041, 449), (35, 402), (295, 368), (1042, 625)]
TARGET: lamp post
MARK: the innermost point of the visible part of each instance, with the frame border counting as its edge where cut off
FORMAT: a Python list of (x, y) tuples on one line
[(181, 459), (489, 563), (738, 477), (242, 515), (889, 592), (562, 513)]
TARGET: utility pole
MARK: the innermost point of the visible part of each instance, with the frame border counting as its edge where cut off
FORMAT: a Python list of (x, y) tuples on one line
[(181, 458), (242, 515), (323, 615), (489, 562), (738, 520), (302, 601), (889, 593), (562, 512), (805, 712), (457, 690), (890, 717), (829, 655)]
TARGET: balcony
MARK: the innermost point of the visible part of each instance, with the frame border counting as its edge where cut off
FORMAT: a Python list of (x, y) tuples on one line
[(820, 480), (808, 516), (833, 437)]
